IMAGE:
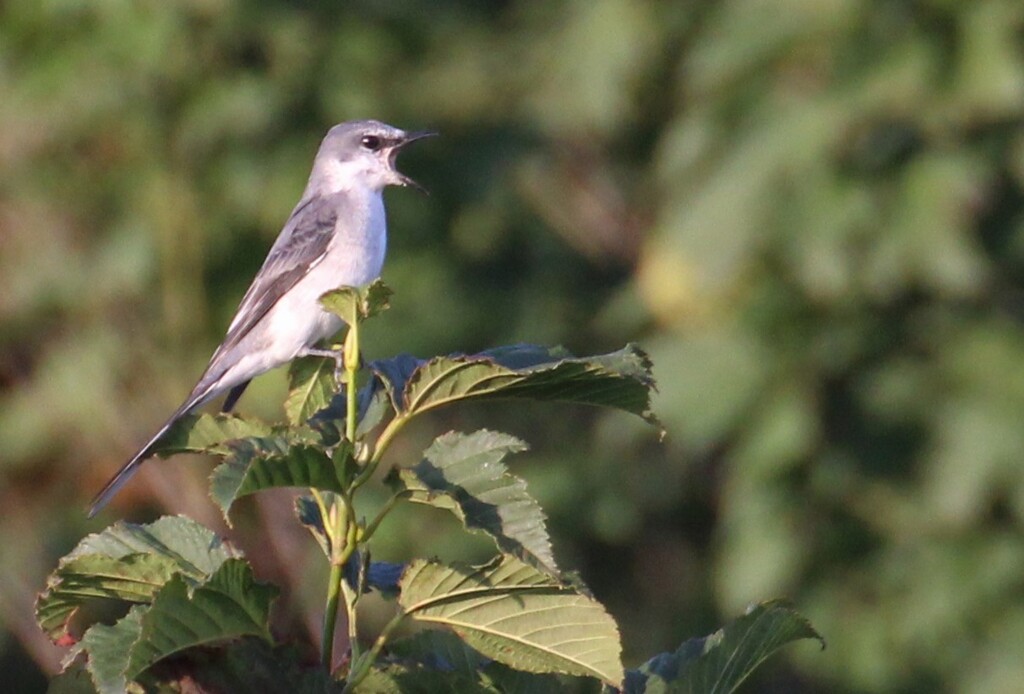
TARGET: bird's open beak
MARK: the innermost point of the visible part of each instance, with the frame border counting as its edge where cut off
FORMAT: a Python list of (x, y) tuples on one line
[(402, 178)]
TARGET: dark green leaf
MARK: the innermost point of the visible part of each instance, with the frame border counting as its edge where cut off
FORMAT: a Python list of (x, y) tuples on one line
[(720, 662), (248, 664), (510, 681), (621, 379), (444, 651), (373, 403), (208, 433), (438, 649), (229, 605), (110, 649), (399, 678), (74, 679), (258, 464), (464, 473)]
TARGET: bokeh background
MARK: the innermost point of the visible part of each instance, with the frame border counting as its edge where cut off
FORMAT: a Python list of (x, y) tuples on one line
[(810, 212)]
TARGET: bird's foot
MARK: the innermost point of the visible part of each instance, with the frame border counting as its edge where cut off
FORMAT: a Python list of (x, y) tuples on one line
[(336, 354)]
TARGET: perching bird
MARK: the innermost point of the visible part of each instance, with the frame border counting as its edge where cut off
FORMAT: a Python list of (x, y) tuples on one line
[(335, 236)]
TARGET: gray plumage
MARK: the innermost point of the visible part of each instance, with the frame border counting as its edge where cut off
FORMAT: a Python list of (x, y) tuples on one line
[(335, 236)]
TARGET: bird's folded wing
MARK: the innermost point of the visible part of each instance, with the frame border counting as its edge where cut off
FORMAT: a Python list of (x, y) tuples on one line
[(302, 244)]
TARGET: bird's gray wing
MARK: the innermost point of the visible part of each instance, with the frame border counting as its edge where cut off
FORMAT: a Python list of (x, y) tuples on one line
[(301, 245)]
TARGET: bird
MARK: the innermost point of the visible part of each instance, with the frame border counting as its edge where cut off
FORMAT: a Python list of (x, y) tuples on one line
[(336, 236)]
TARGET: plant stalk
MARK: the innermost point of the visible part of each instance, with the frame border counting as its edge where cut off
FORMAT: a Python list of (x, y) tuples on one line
[(339, 520), (362, 665), (343, 519)]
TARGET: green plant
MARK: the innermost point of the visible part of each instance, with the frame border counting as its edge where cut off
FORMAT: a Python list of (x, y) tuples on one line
[(159, 605)]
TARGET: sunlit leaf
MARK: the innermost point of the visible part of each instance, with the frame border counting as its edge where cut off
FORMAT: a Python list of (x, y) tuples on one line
[(128, 563), (310, 388), (464, 473), (349, 302), (517, 615)]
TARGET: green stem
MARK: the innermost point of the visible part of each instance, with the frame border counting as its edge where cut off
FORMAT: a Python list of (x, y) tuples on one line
[(362, 666), (383, 441), (371, 527), (352, 595), (343, 521), (351, 367), (340, 551)]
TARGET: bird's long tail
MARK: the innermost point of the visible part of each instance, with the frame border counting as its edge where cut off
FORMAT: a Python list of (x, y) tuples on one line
[(132, 466), (200, 395)]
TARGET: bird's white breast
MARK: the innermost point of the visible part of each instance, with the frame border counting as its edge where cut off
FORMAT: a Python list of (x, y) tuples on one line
[(354, 257)]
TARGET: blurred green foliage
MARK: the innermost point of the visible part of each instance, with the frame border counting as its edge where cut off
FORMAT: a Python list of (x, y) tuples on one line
[(809, 211)]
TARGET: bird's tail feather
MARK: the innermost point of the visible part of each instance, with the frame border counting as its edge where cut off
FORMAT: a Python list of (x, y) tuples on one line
[(128, 469), (198, 397)]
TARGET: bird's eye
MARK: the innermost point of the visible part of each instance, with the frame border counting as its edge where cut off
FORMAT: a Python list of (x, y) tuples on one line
[(371, 142)]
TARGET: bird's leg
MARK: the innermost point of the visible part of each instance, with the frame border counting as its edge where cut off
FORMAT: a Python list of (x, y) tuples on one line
[(337, 355)]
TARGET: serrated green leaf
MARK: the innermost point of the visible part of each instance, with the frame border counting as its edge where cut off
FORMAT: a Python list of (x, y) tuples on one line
[(310, 388), (229, 605), (258, 464), (125, 562), (197, 549), (718, 664), (350, 303), (342, 302), (374, 403), (511, 612), (376, 298), (208, 433), (110, 648), (621, 379), (464, 473), (94, 578)]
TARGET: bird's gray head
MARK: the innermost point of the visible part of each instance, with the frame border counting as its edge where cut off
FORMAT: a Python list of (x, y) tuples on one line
[(361, 154)]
